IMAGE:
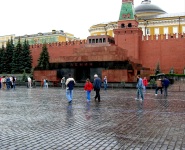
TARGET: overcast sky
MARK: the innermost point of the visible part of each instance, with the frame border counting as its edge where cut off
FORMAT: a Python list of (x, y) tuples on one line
[(22, 17)]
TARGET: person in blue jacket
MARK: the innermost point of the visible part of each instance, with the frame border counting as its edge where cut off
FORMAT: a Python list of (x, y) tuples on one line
[(97, 87), (166, 84), (139, 87), (70, 82)]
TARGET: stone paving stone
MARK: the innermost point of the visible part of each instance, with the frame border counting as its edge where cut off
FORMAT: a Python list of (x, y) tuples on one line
[(42, 119)]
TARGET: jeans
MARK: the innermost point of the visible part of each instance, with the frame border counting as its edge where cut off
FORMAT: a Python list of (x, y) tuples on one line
[(88, 95), (165, 91), (105, 86), (69, 95), (144, 88), (159, 88), (97, 94), (140, 92)]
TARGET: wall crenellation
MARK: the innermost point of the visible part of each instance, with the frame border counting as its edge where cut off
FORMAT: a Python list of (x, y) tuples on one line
[(163, 37), (57, 44)]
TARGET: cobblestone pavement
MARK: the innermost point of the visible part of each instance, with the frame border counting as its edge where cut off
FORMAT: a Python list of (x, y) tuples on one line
[(41, 119)]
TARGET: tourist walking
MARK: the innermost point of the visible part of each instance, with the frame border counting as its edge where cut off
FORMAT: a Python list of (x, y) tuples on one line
[(97, 87), (88, 88), (105, 83), (46, 83), (70, 82), (29, 82), (63, 82), (166, 84), (145, 83), (139, 87), (13, 82), (3, 81), (159, 86)]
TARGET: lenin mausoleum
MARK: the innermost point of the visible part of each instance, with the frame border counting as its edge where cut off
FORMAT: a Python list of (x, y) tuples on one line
[(142, 38)]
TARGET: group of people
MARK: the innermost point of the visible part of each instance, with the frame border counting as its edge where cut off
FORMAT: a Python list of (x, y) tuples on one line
[(7, 82), (96, 85), (160, 84), (88, 87)]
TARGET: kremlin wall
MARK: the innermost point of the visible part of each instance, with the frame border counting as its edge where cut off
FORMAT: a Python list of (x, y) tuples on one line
[(129, 53)]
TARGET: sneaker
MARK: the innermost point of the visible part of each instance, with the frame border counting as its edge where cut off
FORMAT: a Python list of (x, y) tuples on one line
[(155, 94), (136, 99)]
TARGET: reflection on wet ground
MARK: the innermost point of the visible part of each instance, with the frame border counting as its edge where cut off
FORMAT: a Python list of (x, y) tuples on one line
[(42, 119)]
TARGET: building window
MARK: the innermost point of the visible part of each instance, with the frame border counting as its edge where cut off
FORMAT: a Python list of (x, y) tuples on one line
[(183, 29), (156, 31), (104, 40), (147, 31), (175, 30), (123, 25), (129, 25), (166, 30)]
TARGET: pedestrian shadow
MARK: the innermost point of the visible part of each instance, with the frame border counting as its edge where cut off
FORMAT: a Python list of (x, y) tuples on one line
[(163, 101), (88, 113), (139, 109), (69, 116)]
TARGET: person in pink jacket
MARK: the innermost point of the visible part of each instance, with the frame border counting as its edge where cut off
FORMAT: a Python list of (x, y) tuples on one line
[(88, 88)]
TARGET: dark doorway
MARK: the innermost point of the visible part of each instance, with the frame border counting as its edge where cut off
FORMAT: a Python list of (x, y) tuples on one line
[(81, 74)]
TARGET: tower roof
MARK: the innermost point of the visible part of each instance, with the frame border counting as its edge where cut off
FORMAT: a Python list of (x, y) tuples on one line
[(148, 9), (127, 10)]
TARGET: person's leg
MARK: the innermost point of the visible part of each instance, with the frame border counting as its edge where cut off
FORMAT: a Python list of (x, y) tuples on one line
[(156, 90), (71, 94), (68, 95), (88, 95), (161, 90), (98, 94), (137, 94), (165, 91), (144, 88), (14, 85), (141, 93)]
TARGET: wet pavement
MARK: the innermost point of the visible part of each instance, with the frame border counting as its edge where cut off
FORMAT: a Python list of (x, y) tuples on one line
[(41, 119)]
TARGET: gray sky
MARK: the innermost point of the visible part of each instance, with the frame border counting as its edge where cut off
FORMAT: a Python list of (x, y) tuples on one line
[(22, 17)]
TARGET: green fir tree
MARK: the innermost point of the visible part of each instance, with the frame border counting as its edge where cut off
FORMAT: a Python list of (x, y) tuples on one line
[(3, 60), (17, 63), (9, 55), (43, 61), (27, 59)]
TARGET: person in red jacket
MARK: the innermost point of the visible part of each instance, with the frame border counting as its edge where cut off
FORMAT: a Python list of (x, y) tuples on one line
[(88, 88), (145, 83)]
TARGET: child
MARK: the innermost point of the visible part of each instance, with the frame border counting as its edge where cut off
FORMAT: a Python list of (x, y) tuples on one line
[(88, 88), (145, 83)]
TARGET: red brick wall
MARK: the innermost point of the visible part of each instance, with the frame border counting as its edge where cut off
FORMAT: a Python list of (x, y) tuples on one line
[(115, 75), (169, 53), (79, 53), (50, 75), (129, 39)]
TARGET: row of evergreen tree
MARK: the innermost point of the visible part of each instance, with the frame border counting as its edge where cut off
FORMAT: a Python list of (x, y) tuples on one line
[(15, 59), (18, 59)]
